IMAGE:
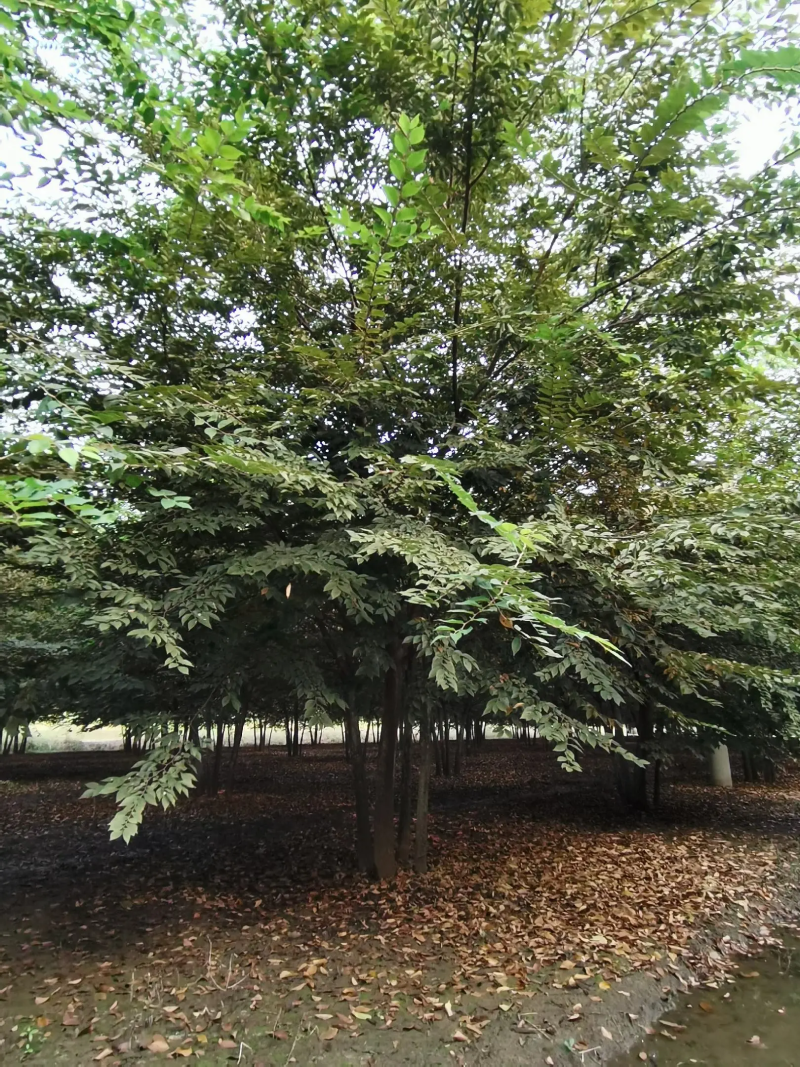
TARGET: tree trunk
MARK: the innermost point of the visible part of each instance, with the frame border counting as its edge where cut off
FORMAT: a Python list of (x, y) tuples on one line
[(360, 784), (445, 734), (644, 727), (216, 765), (423, 791), (384, 846), (404, 821), (721, 767), (296, 749), (657, 785), (237, 744), (459, 749)]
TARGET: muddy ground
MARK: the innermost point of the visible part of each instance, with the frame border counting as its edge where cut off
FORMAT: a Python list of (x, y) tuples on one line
[(235, 929)]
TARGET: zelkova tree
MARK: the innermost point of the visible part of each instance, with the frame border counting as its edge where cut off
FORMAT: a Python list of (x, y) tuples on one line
[(364, 352)]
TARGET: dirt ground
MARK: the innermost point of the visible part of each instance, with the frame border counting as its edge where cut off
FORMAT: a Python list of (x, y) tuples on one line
[(235, 928)]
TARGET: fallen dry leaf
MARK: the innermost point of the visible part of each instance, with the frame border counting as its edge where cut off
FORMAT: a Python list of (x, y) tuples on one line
[(329, 1034), (606, 1034), (158, 1044)]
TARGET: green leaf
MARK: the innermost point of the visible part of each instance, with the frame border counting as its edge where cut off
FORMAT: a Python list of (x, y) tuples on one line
[(416, 160), (69, 455)]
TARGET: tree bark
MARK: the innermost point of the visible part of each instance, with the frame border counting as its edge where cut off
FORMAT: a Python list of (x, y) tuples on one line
[(216, 766), (423, 792), (644, 728), (404, 821), (360, 784), (237, 743), (384, 846), (459, 749)]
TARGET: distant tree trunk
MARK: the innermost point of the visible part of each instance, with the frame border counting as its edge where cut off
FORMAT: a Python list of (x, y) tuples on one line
[(657, 763), (423, 792), (296, 749), (444, 735), (234, 757), (631, 780), (721, 767), (644, 726), (215, 761), (404, 820), (437, 751), (459, 749), (360, 784)]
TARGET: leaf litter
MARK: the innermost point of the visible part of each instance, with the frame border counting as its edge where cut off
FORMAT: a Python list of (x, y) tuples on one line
[(242, 914)]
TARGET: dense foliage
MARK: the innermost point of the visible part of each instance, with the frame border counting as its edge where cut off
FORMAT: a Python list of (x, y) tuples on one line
[(409, 360)]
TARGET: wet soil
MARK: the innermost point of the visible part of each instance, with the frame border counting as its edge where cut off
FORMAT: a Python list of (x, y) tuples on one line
[(751, 1020)]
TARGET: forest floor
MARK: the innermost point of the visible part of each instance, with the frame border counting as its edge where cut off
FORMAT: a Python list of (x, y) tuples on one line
[(551, 927)]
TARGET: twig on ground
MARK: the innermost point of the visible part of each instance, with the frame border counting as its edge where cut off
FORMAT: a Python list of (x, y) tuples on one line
[(294, 1043)]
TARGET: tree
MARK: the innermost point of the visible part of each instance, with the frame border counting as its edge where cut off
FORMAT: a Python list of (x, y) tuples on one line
[(366, 330)]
